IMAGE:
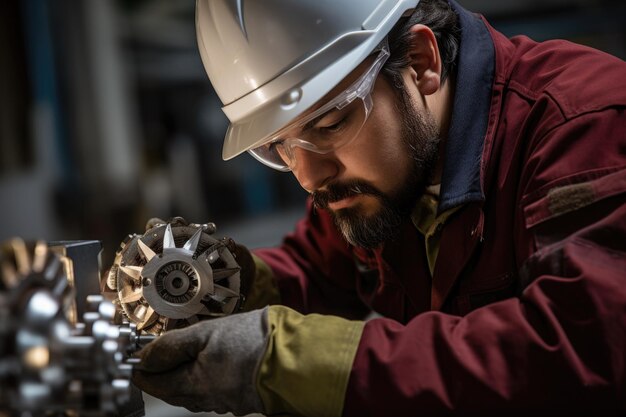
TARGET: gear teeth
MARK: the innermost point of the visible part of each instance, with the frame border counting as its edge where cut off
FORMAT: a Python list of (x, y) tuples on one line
[(192, 244), (141, 312), (112, 278), (223, 292), (22, 259), (219, 274), (168, 238), (132, 271), (131, 296), (10, 277), (146, 319), (40, 256), (145, 250)]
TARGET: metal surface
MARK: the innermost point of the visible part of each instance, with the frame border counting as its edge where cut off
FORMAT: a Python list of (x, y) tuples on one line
[(174, 275), (50, 364), (85, 258), (56, 360), (270, 61)]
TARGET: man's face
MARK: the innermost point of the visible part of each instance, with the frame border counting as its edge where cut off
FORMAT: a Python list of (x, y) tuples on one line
[(371, 185)]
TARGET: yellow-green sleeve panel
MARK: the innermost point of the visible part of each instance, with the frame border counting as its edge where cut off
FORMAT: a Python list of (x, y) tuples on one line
[(307, 364), (264, 290)]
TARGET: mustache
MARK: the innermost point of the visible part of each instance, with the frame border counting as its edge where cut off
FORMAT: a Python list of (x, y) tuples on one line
[(338, 191)]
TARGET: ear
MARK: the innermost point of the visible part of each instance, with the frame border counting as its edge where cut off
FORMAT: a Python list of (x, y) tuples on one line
[(425, 59)]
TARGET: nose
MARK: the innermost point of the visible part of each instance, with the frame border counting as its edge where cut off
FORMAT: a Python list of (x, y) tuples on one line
[(313, 170)]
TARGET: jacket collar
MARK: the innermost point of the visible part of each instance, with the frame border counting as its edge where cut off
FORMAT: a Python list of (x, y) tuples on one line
[(461, 181)]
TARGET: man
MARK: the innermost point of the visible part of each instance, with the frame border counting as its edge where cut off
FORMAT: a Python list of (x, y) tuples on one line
[(468, 188)]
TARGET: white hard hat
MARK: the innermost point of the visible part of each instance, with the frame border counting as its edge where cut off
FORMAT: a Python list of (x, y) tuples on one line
[(271, 60)]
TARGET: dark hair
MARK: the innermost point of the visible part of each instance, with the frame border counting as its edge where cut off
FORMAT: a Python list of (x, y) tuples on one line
[(439, 16)]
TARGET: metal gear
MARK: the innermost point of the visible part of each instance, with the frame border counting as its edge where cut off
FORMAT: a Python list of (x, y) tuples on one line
[(50, 365), (28, 266), (174, 275)]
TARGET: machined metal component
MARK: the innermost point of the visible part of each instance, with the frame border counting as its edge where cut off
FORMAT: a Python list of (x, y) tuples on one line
[(174, 275), (27, 266), (50, 364)]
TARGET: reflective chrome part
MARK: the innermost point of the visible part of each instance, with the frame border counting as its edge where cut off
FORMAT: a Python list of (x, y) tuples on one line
[(51, 365), (174, 275)]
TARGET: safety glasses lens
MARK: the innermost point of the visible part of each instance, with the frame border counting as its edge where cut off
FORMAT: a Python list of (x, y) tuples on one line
[(324, 134)]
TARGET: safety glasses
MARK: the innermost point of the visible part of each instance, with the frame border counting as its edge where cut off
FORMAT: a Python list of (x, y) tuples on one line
[(328, 128)]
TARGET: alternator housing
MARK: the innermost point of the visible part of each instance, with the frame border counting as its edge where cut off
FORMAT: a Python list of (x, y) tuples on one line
[(174, 275)]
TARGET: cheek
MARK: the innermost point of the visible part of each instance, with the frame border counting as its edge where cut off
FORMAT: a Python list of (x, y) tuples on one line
[(385, 129), (379, 156)]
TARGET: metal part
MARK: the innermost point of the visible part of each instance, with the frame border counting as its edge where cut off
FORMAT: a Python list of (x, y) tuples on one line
[(50, 364), (174, 275), (84, 256)]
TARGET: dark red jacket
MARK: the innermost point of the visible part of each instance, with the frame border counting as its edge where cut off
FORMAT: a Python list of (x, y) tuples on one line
[(526, 310)]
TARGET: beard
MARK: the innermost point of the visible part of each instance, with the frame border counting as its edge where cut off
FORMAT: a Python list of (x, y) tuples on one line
[(420, 135)]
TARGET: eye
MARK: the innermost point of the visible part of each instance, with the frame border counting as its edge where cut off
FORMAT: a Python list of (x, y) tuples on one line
[(278, 149), (272, 146), (334, 127)]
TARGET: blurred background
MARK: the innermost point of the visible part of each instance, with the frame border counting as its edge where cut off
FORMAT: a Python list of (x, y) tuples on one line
[(107, 119)]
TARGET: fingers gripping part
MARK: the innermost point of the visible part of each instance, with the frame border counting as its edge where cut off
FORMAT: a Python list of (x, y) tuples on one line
[(175, 347), (222, 355)]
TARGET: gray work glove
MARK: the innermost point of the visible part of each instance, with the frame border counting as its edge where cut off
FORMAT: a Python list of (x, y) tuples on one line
[(210, 366)]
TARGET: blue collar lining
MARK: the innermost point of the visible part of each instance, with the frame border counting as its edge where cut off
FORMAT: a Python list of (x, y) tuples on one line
[(460, 182)]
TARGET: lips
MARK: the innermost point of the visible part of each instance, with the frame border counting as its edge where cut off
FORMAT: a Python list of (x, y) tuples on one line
[(343, 203), (337, 196)]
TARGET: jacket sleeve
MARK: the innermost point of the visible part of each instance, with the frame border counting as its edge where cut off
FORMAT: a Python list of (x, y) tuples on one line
[(314, 269), (560, 345)]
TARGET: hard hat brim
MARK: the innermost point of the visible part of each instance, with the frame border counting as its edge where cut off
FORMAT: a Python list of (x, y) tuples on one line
[(255, 116), (268, 111)]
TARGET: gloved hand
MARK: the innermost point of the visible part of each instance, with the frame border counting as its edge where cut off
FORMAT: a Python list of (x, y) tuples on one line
[(209, 366), (258, 286), (275, 361)]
